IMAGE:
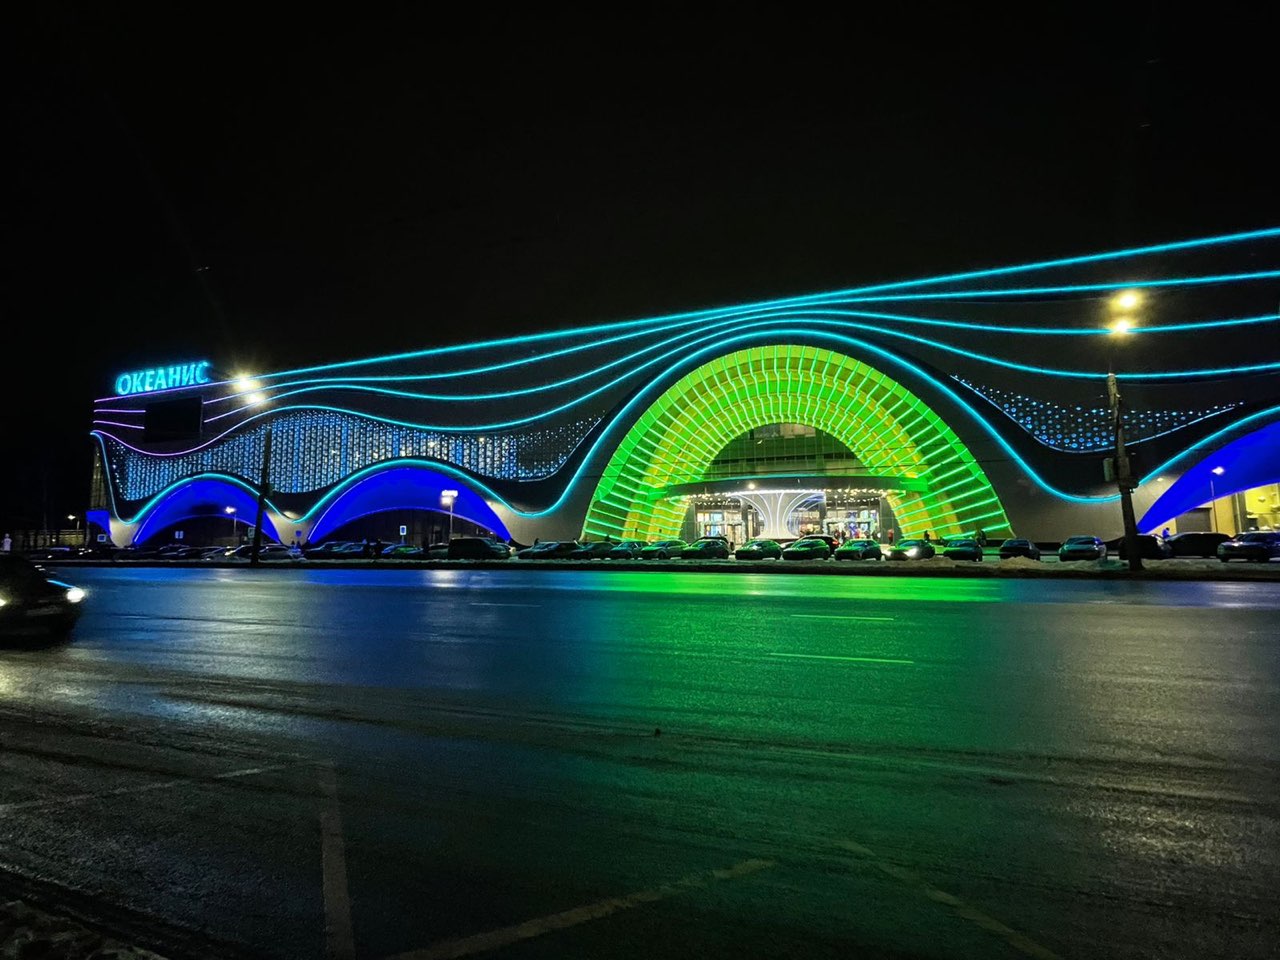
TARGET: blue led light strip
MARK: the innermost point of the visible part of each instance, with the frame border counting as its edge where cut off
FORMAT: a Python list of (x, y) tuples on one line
[(351, 383), (811, 299), (814, 317)]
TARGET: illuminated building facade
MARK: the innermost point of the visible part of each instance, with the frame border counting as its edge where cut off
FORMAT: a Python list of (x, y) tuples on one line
[(950, 404)]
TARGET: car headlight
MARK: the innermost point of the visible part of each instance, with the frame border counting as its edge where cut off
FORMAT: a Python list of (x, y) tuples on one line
[(75, 595), (3, 601), (912, 552)]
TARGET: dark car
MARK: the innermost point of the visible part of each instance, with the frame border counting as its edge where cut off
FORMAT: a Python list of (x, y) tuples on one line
[(626, 550), (912, 550), (332, 550), (809, 548), (99, 551), (32, 604), (595, 550), (1256, 547), (479, 548), (1082, 548), (662, 550), (759, 550), (1196, 543), (707, 548), (1150, 547), (403, 551), (51, 553), (961, 548), (1019, 547), (549, 550), (859, 550)]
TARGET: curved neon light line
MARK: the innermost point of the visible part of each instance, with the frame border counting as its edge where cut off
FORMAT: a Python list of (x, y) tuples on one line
[(487, 491), (648, 389), (358, 383), (1046, 371), (1197, 243), (1070, 288), (113, 423), (167, 491), (466, 372), (789, 315), (1199, 444), (802, 317)]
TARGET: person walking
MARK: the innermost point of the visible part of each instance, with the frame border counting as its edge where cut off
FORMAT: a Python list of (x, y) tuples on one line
[(927, 538), (1164, 534), (6, 545)]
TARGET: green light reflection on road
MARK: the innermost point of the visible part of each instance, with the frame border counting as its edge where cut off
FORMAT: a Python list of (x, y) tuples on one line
[(816, 588)]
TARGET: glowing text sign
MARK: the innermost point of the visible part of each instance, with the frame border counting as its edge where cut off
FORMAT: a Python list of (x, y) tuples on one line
[(163, 378)]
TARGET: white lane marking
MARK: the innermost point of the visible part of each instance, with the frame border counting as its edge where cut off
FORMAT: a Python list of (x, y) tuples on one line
[(481, 603), (339, 941), (144, 788), (495, 939), (820, 656), (1020, 942), (835, 616)]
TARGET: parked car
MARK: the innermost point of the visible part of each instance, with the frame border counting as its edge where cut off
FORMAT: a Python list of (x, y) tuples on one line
[(1082, 548), (809, 548), (98, 551), (859, 550), (51, 553), (1257, 547), (626, 550), (479, 548), (1197, 543), (707, 548), (662, 550), (759, 549), (912, 550), (403, 551), (34, 604), (549, 550), (1150, 547), (438, 550), (332, 550), (269, 553), (961, 548), (1019, 547), (595, 550)]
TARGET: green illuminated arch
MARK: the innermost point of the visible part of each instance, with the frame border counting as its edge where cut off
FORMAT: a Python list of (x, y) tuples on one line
[(889, 429)]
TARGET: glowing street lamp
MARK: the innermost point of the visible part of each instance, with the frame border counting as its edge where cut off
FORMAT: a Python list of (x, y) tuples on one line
[(1120, 470), (1126, 301), (1213, 496), (447, 497), (231, 512)]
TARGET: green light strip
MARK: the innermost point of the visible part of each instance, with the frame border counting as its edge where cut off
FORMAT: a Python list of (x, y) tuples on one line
[(889, 429)]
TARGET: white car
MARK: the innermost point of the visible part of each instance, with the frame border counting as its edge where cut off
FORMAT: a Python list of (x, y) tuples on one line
[(269, 553)]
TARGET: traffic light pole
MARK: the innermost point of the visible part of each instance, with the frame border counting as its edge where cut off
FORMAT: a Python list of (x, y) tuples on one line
[(264, 490), (1124, 476)]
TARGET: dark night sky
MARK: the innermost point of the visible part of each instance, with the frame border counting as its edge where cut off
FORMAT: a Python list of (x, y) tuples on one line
[(272, 192)]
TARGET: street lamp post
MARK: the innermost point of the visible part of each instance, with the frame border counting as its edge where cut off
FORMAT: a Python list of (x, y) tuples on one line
[(1121, 469), (264, 490), (1213, 496), (83, 540), (447, 497), (231, 512)]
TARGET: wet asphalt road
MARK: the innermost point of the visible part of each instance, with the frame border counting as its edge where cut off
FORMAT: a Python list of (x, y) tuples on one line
[(300, 763)]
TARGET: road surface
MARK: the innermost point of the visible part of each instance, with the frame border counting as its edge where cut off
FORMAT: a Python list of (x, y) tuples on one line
[(305, 763)]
